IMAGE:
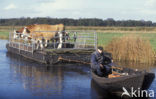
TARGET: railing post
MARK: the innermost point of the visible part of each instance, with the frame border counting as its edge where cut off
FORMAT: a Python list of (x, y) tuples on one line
[(95, 39), (19, 47), (32, 43), (9, 38)]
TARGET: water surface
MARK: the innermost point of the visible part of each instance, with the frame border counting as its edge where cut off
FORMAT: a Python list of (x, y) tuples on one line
[(21, 78)]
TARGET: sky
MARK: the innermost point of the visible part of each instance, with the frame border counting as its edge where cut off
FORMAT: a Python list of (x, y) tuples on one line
[(103, 9)]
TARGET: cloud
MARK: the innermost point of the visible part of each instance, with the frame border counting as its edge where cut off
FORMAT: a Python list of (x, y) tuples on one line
[(62, 4), (69, 8), (150, 3), (117, 9), (148, 12), (10, 6)]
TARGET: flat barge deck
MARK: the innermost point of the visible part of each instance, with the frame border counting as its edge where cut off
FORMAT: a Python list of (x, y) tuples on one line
[(53, 56)]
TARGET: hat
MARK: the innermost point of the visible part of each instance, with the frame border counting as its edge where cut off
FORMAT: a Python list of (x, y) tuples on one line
[(100, 48)]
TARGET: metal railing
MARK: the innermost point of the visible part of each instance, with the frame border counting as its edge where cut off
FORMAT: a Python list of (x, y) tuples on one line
[(74, 40)]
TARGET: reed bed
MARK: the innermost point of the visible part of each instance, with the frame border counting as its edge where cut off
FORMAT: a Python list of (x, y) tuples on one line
[(131, 48)]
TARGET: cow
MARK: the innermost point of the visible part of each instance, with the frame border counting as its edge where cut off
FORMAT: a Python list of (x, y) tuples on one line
[(44, 32)]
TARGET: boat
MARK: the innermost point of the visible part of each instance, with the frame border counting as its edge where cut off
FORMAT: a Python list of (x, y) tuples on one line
[(148, 79), (102, 93), (128, 79)]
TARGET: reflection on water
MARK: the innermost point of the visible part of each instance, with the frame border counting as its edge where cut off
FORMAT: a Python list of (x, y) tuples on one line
[(22, 78), (47, 81), (38, 80)]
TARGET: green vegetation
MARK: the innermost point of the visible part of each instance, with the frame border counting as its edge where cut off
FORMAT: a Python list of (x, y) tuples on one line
[(76, 22), (115, 38), (105, 38), (4, 35), (4, 31), (105, 34), (112, 28)]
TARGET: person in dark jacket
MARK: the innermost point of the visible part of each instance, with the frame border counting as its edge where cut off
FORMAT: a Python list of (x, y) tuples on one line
[(100, 62)]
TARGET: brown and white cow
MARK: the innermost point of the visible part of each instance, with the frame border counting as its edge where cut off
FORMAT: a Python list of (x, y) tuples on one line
[(38, 32)]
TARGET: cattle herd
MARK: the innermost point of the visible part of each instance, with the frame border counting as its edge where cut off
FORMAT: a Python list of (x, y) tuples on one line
[(42, 34)]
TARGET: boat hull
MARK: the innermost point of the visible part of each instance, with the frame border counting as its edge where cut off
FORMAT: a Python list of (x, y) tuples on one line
[(148, 79), (117, 84)]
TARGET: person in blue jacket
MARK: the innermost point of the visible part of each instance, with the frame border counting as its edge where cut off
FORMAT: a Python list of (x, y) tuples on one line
[(100, 62)]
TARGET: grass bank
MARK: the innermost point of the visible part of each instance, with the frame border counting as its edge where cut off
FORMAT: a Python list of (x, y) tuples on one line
[(102, 28), (105, 34), (105, 38), (4, 31), (4, 35)]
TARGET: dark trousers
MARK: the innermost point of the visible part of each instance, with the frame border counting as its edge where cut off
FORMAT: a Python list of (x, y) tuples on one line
[(103, 72), (107, 70)]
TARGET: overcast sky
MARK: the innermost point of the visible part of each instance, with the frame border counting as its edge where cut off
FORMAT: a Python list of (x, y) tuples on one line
[(117, 9)]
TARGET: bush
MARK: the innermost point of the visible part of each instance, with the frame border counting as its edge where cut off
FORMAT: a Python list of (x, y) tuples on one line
[(131, 48)]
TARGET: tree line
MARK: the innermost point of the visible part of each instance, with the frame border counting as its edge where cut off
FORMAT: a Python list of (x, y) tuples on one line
[(75, 22)]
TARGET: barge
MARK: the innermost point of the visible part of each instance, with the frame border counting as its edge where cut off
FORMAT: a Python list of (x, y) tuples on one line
[(78, 50)]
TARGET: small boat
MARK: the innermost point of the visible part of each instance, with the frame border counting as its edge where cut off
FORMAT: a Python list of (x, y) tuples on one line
[(148, 79), (128, 79)]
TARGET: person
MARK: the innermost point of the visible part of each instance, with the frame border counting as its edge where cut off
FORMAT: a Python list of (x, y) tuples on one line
[(100, 63)]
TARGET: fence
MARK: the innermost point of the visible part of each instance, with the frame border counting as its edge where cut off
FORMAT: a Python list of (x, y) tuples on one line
[(72, 40), (83, 39)]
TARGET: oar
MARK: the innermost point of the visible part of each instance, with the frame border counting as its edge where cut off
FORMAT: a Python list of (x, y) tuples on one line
[(119, 68), (114, 66)]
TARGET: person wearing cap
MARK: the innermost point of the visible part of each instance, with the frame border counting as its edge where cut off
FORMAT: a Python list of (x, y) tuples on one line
[(100, 62)]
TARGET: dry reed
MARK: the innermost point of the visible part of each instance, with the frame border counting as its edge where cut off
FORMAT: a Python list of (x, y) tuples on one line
[(131, 48)]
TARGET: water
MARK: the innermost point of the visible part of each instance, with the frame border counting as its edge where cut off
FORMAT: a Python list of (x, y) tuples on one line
[(24, 79)]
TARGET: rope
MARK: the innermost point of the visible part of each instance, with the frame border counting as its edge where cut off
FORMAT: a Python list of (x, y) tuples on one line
[(75, 61)]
